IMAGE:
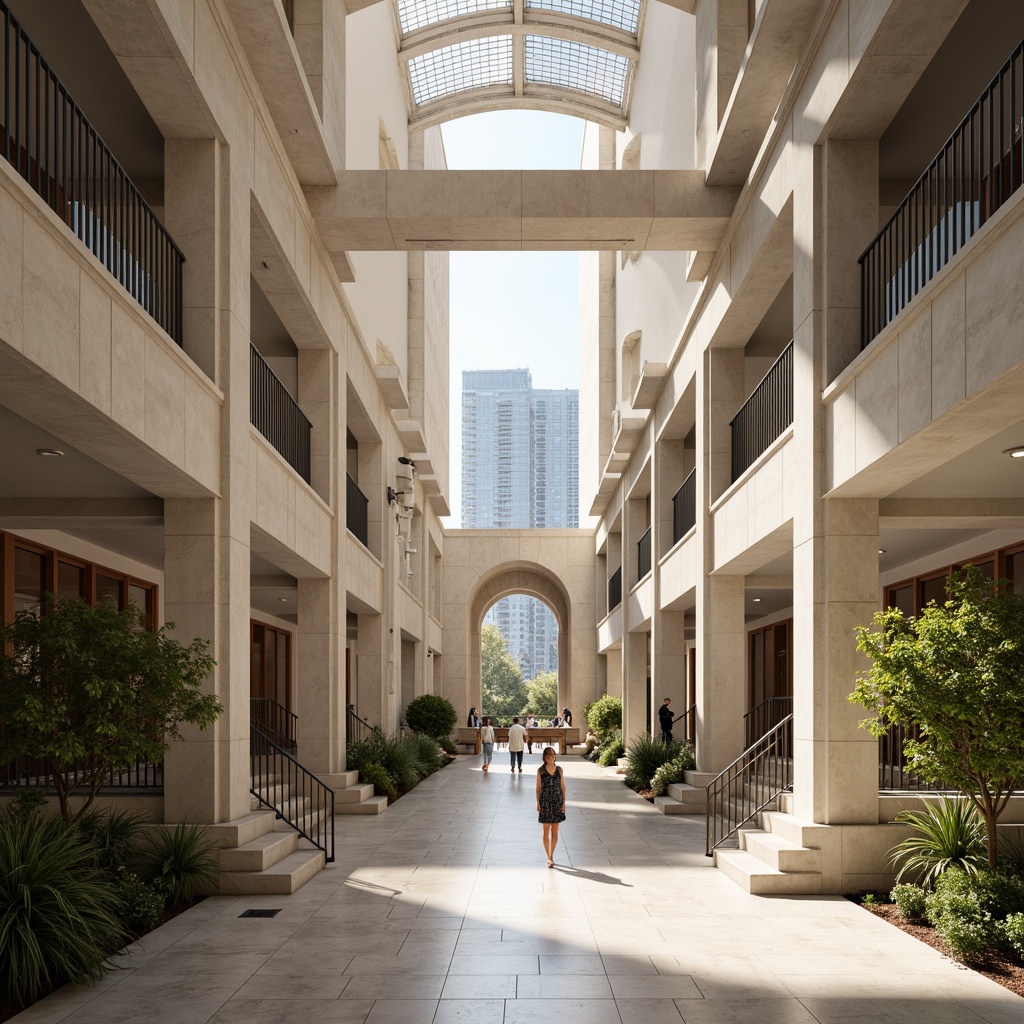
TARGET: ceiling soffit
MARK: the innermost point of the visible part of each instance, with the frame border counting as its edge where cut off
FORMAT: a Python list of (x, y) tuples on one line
[(575, 57)]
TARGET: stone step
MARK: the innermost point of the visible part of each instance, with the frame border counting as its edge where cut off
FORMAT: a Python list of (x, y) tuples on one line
[(371, 805), (682, 799), (795, 830), (344, 780), (261, 853), (280, 879), (779, 853), (354, 794), (243, 830), (757, 878)]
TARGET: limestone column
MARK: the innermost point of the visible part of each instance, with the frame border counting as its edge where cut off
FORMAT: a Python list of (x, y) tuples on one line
[(320, 694), (634, 685)]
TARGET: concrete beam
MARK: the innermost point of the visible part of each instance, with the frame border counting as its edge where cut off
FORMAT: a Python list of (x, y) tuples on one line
[(382, 211), (951, 513), (80, 513)]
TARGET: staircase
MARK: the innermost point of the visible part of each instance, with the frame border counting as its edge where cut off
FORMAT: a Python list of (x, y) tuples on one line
[(354, 797)]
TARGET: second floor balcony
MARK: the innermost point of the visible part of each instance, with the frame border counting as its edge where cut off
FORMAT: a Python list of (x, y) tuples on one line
[(277, 416), (764, 416), (684, 508)]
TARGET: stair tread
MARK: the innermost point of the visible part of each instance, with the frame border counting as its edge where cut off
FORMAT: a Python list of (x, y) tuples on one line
[(747, 862), (286, 865), (773, 839)]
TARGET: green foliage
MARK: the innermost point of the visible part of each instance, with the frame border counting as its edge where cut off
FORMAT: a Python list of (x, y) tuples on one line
[(116, 836), (1013, 929), (955, 673), (93, 686), (910, 901), (604, 716), (870, 899), (429, 756), (611, 751), (1011, 853), (502, 689), (968, 910), (181, 862), (431, 715), (946, 835), (673, 771), (140, 906), (375, 774), (542, 694), (58, 913), (395, 754), (646, 755)]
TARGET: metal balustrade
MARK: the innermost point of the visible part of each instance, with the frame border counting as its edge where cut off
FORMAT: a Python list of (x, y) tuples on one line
[(277, 416), (762, 719), (973, 174), (764, 415), (274, 719), (615, 589), (357, 515), (52, 145), (684, 508), (688, 730), (38, 772), (643, 555)]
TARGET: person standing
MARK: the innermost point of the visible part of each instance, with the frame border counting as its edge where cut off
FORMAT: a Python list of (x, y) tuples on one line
[(531, 723), (550, 801), (473, 721), (517, 737), (665, 720), (566, 717), (487, 738)]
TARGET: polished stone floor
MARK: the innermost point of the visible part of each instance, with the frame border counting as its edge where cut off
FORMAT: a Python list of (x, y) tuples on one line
[(442, 910)]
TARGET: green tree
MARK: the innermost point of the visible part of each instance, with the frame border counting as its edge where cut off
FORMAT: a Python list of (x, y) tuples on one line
[(432, 715), (955, 673), (503, 692), (88, 689), (542, 694), (604, 716)]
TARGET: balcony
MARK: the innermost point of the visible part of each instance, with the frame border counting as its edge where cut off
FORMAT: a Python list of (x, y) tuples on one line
[(974, 173), (615, 589), (684, 508), (764, 416), (357, 517), (47, 139), (277, 416), (643, 555)]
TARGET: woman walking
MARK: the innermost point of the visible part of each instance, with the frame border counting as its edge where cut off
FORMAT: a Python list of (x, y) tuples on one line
[(487, 739), (550, 801)]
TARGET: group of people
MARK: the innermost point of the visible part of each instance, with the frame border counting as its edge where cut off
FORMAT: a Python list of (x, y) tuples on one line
[(475, 721)]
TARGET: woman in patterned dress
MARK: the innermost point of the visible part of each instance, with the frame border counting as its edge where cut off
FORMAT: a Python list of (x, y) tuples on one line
[(550, 801)]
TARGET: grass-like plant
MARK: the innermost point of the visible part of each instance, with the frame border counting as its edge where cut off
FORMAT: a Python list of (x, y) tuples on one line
[(611, 751), (377, 776), (58, 913), (429, 756), (672, 772), (646, 755), (1011, 854), (181, 862), (946, 835), (117, 836), (393, 753)]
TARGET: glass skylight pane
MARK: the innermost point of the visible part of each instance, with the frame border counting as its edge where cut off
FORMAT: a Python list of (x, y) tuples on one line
[(572, 65), (624, 14), (414, 14), (473, 64)]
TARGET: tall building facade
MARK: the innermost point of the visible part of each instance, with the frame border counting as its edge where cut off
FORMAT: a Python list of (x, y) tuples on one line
[(520, 470)]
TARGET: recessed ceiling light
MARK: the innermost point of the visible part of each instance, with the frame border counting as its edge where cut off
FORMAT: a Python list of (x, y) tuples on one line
[(283, 600), (757, 600), (881, 551), (52, 452), (1015, 453)]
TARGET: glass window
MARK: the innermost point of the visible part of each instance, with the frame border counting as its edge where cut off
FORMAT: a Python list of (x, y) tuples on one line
[(902, 598), (142, 598), (29, 580), (1015, 570), (108, 586), (70, 580), (933, 590)]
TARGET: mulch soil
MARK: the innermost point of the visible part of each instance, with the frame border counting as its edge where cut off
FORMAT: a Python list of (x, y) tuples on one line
[(1005, 969)]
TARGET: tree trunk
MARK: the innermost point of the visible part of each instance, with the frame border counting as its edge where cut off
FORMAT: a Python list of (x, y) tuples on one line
[(991, 837)]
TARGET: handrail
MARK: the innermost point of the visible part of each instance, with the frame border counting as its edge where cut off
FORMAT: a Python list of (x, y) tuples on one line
[(643, 555), (357, 512), (358, 728), (762, 719), (615, 589), (38, 772), (280, 724), (277, 416), (689, 720), (684, 507), (764, 415), (977, 169), (52, 145), (293, 792), (756, 778)]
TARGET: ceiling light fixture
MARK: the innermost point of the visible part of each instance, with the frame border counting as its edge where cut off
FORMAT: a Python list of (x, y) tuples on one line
[(1015, 453), (881, 551), (283, 600), (757, 600), (50, 452)]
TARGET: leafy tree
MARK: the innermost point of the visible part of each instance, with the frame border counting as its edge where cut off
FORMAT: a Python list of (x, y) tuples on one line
[(501, 679), (604, 716), (542, 694), (432, 715), (88, 689), (955, 673)]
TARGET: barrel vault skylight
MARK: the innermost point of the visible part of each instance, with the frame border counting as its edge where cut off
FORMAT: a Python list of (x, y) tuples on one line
[(571, 56)]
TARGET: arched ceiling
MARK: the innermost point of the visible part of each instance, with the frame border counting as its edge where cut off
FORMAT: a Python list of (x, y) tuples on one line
[(574, 57)]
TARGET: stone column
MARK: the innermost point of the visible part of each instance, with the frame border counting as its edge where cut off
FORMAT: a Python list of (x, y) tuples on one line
[(321, 696), (634, 685)]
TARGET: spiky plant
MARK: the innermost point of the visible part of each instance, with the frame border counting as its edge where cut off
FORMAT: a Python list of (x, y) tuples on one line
[(949, 834)]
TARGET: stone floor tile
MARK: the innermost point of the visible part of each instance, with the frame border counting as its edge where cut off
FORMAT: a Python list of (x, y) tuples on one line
[(563, 986), (402, 1011), (470, 1011), (471, 964), (648, 1011), (486, 986), (660, 986), (554, 1011), (277, 1011), (397, 986), (744, 1011), (559, 964)]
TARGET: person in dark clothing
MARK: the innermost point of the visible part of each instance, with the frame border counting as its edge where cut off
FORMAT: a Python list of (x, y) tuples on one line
[(566, 717), (665, 720)]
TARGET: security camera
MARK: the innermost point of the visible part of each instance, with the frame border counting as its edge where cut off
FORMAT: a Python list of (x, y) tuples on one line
[(405, 460)]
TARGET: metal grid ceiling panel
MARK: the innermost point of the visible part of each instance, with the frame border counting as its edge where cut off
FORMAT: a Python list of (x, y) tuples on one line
[(415, 14), (473, 64), (624, 14), (572, 65)]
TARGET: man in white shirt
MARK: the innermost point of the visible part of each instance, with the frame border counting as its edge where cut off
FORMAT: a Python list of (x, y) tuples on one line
[(517, 737)]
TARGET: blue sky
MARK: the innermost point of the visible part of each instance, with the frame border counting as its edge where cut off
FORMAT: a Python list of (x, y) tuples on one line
[(511, 309)]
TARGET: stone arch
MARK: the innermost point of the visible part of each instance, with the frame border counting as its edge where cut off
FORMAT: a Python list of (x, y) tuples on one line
[(535, 581)]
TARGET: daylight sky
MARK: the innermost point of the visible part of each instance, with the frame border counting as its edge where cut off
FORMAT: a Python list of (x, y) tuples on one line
[(511, 309)]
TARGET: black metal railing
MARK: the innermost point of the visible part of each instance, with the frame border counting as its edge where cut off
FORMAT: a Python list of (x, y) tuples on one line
[(764, 415), (762, 719), (280, 724), (36, 772), (894, 771), (684, 508), (643, 555), (294, 793), (52, 145), (753, 781), (357, 515), (357, 728), (688, 730), (277, 416), (974, 173), (615, 589)]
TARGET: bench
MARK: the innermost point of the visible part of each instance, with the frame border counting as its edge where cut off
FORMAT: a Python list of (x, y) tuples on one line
[(562, 738)]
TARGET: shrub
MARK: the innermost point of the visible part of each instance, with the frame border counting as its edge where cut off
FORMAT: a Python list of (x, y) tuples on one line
[(646, 755), (1011, 853), (948, 835), (181, 862), (58, 913), (673, 771), (910, 901), (396, 755), (611, 751), (445, 743), (1013, 928), (378, 777), (429, 755), (431, 715), (117, 837), (141, 907), (967, 909), (604, 716)]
